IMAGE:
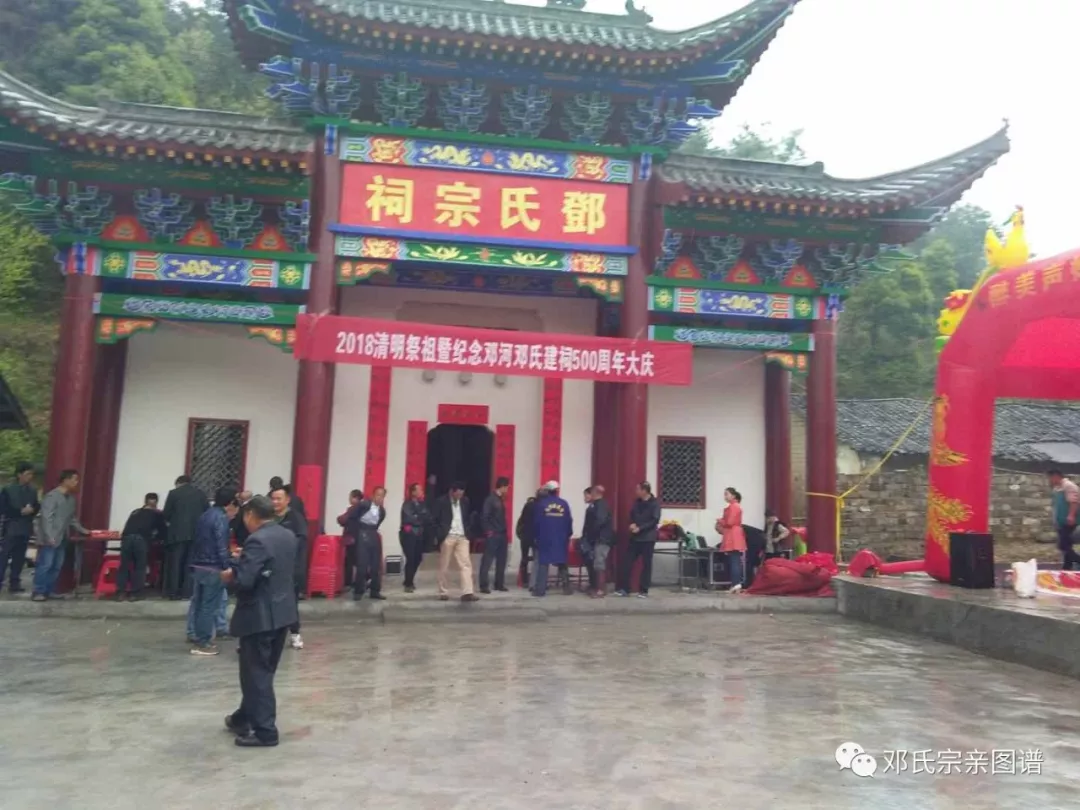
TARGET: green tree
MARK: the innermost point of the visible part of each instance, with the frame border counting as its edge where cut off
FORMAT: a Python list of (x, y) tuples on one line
[(750, 144), (201, 42), (938, 260), (964, 229), (85, 50), (885, 347), (148, 51), (30, 298)]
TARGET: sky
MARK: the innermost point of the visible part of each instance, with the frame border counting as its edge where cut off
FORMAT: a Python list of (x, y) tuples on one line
[(882, 85)]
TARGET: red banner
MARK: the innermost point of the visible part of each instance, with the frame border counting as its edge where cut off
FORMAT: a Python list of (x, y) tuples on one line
[(416, 455), (479, 205), (366, 341), (463, 414), (551, 433), (378, 429), (308, 485), (504, 464)]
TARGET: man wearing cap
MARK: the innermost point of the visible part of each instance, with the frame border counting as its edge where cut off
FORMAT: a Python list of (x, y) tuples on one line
[(553, 527)]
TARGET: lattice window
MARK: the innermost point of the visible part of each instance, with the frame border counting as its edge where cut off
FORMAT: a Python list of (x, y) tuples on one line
[(217, 453), (680, 478)]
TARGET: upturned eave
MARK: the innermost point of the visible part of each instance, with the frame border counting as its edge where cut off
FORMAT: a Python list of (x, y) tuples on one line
[(125, 128), (707, 181)]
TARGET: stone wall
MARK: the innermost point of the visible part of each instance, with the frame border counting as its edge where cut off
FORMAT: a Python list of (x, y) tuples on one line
[(889, 510)]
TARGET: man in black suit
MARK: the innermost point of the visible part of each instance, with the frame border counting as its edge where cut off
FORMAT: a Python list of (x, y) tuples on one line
[(263, 580), (451, 518), (143, 526), (415, 527), (183, 508), (294, 521), (296, 503), (18, 507), (363, 521), (493, 519), (526, 532)]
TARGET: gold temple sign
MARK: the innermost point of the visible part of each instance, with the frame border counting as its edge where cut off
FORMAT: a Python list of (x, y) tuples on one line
[(431, 201), (583, 212), (457, 205), (390, 199), (518, 205)]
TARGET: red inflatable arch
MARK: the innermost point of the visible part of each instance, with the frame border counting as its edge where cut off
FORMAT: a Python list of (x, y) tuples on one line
[(1020, 337)]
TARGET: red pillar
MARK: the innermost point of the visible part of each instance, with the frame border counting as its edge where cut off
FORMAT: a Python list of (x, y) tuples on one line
[(73, 382), (315, 381), (96, 499), (73, 390), (104, 433), (821, 440), (632, 401), (778, 441), (605, 441)]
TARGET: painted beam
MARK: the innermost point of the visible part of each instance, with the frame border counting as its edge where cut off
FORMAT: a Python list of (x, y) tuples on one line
[(195, 309), (411, 250), (734, 338), (495, 159), (685, 301)]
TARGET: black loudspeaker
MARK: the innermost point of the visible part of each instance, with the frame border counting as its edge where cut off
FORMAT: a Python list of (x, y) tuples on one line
[(971, 560)]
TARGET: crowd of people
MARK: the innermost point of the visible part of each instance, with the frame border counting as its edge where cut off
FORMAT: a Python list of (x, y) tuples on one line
[(191, 536), (448, 524)]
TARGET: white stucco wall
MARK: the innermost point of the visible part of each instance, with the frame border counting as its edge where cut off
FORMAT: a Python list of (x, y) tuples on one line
[(184, 371), (726, 405), (519, 402)]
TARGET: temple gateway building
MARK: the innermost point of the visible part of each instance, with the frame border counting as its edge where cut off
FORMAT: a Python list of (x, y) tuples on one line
[(468, 248)]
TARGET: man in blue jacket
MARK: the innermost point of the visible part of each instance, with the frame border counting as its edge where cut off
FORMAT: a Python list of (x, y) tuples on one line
[(209, 557), (553, 527)]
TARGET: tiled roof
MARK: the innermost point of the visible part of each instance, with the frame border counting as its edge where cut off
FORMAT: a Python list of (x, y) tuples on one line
[(1022, 432), (147, 122), (939, 182), (495, 18)]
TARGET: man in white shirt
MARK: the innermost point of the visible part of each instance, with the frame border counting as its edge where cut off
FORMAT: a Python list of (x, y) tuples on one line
[(451, 517)]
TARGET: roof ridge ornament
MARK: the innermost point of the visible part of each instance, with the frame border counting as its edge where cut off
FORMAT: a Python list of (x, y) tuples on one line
[(638, 15)]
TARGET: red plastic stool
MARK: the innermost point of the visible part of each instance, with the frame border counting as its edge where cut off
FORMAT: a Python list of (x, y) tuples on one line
[(325, 568), (106, 580)]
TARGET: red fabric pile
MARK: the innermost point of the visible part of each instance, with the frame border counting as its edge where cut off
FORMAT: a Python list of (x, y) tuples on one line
[(821, 560), (864, 561), (801, 577)]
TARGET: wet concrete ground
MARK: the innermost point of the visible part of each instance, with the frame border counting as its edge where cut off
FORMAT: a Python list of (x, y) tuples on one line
[(603, 712)]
